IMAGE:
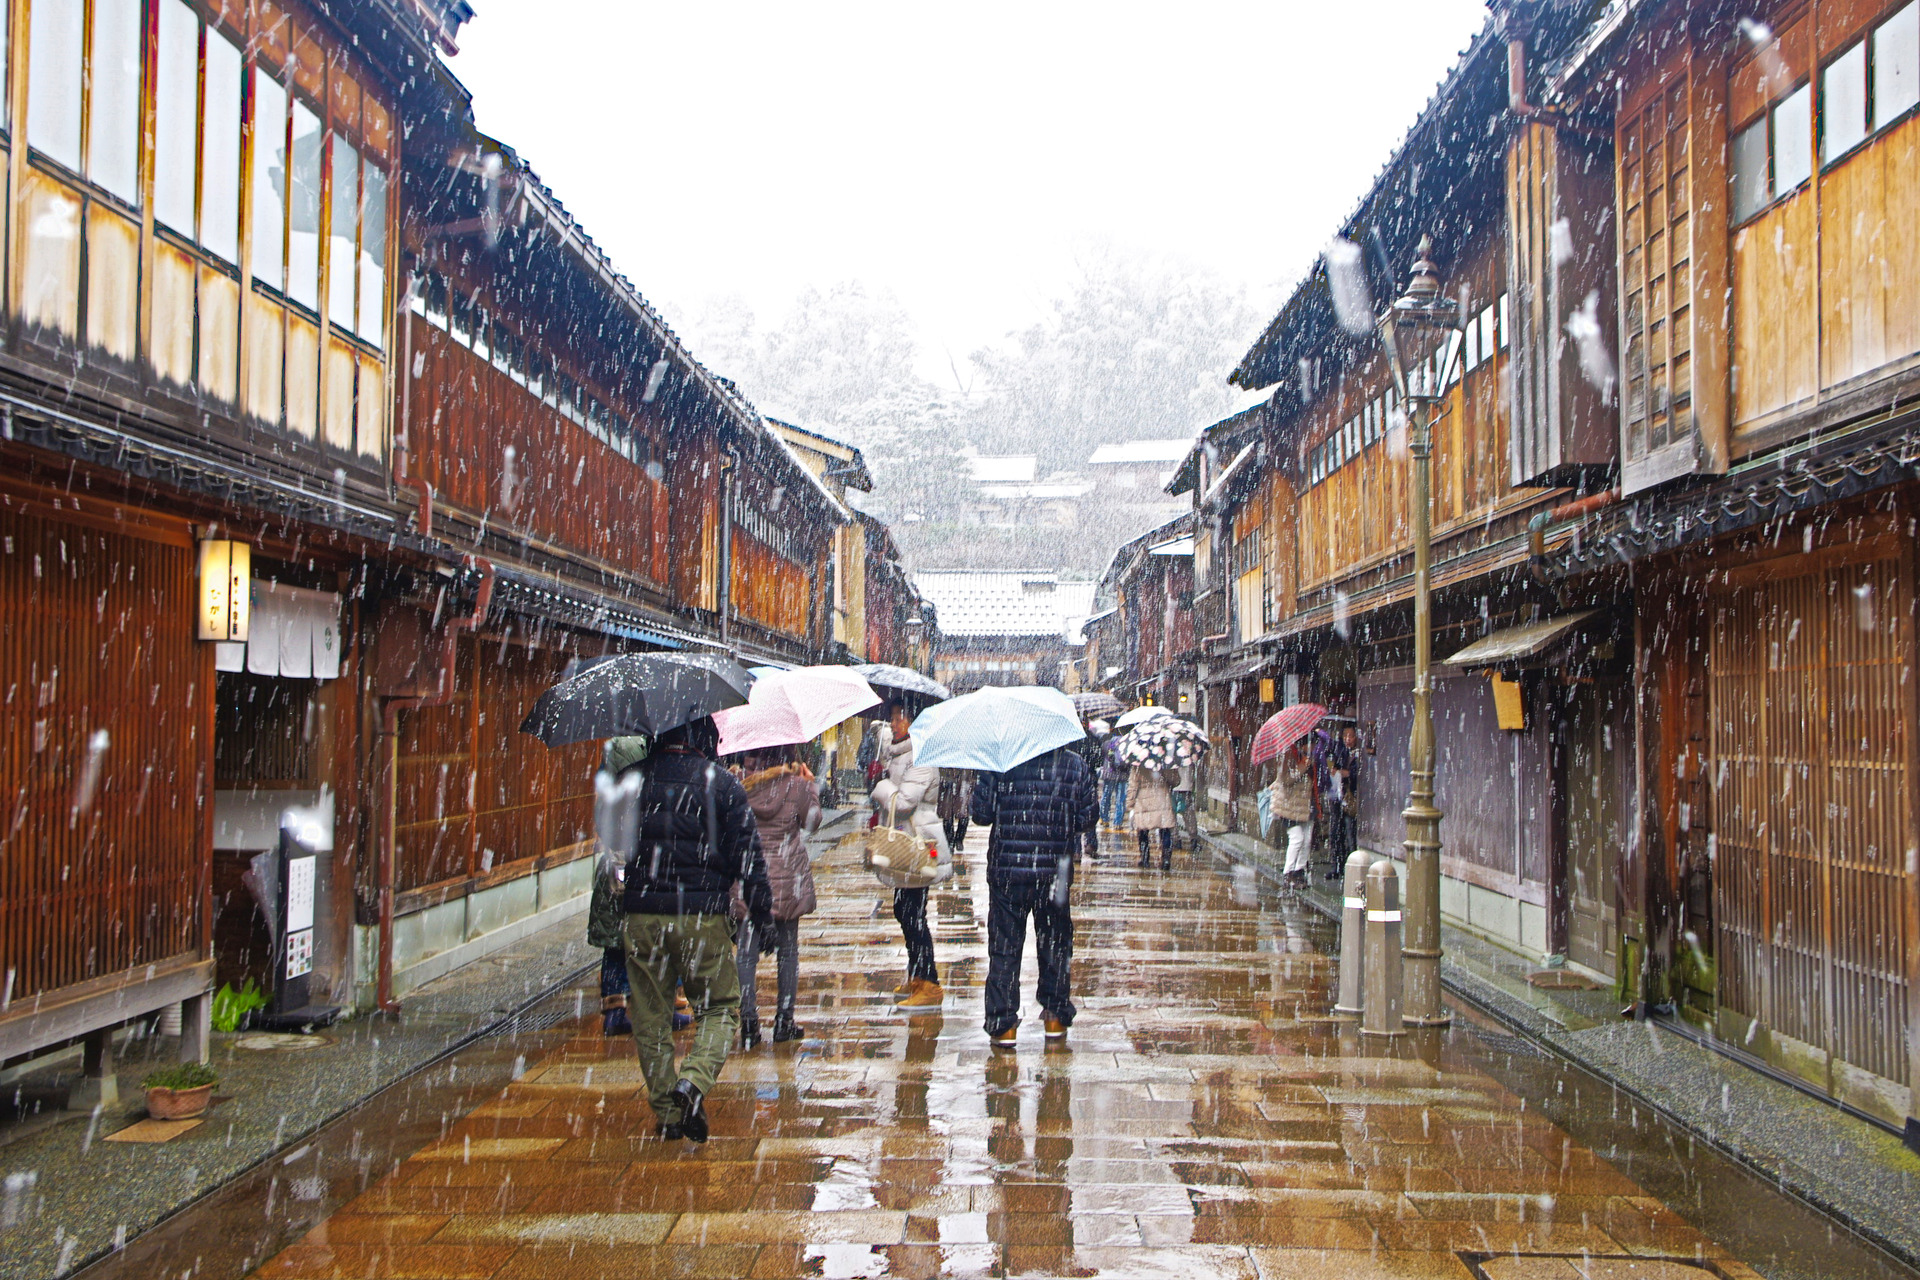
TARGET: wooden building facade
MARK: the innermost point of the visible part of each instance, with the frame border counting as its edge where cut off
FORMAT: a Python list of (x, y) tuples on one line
[(279, 321), (1672, 508)]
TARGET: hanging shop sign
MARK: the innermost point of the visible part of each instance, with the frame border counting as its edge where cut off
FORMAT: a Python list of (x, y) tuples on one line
[(226, 590)]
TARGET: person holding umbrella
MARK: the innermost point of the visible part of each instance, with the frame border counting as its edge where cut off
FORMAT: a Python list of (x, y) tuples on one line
[(693, 839), (786, 810), (696, 839), (1037, 797), (1292, 801), (1039, 811), (1291, 795), (1152, 800)]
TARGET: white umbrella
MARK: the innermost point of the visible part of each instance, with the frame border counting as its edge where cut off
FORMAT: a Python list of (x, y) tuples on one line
[(995, 728), (1139, 714)]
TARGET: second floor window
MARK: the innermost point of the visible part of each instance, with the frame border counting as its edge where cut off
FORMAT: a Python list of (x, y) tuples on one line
[(83, 80), (1773, 155), (1872, 85)]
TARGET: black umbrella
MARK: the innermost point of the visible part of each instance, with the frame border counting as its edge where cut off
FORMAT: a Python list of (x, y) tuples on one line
[(646, 693)]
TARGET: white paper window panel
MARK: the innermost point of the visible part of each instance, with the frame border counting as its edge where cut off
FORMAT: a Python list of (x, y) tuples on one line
[(1792, 140), (1896, 66), (1843, 107)]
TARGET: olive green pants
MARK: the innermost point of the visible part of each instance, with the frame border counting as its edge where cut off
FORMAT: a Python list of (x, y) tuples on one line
[(694, 952)]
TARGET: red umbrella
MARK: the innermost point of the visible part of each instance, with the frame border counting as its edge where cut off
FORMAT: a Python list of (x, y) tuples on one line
[(1284, 728)]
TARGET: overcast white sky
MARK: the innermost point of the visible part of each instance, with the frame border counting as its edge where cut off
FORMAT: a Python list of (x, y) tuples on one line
[(957, 155)]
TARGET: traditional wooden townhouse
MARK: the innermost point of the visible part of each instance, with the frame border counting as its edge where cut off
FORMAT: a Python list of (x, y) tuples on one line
[(1762, 167), (1149, 584), (1304, 548), (329, 440), (1671, 525)]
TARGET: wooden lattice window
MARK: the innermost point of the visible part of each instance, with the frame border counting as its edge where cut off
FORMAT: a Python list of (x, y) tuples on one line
[(1656, 272)]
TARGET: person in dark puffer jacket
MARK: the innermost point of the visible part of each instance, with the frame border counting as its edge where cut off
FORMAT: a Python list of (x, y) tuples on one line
[(1039, 812), (696, 838)]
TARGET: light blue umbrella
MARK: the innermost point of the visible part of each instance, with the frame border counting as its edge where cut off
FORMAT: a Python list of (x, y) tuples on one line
[(995, 729)]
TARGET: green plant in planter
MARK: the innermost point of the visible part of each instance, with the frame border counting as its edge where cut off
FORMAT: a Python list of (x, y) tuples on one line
[(230, 1007), (180, 1077)]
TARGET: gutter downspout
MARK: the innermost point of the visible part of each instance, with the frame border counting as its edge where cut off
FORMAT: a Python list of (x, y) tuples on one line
[(1516, 28), (390, 762), (1537, 527), (403, 438), (728, 464)]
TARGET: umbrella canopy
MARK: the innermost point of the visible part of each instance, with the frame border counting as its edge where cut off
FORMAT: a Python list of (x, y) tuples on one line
[(1165, 742), (785, 707), (995, 728), (1284, 728), (1090, 705), (1139, 715), (646, 693), (884, 675)]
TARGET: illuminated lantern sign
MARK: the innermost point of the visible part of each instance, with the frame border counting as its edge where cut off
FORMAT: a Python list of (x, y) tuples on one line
[(226, 589)]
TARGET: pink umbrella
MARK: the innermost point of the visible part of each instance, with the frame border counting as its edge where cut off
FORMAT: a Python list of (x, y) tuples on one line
[(786, 707), (1282, 730)]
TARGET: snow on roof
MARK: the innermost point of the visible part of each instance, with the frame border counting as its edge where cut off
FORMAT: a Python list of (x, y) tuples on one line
[(1137, 451), (1038, 492), (1003, 468), (1006, 604)]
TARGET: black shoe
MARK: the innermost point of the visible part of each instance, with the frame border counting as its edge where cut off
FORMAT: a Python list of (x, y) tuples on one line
[(1166, 862), (693, 1116), (1146, 862), (750, 1033), (670, 1133), (614, 1022), (785, 1028)]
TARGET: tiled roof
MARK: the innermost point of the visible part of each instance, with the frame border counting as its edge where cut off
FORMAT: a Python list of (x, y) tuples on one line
[(1006, 604)]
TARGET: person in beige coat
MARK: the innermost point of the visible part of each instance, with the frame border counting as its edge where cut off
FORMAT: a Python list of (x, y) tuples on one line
[(1292, 799), (905, 798), (1151, 797)]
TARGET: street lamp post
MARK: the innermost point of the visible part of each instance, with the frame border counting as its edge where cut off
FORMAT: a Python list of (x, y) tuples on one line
[(1422, 368)]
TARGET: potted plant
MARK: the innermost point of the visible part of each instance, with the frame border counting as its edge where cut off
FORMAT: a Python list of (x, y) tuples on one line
[(179, 1092)]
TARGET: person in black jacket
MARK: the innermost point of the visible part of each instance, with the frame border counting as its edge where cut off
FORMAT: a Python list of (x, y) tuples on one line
[(1092, 749), (696, 838), (1039, 812)]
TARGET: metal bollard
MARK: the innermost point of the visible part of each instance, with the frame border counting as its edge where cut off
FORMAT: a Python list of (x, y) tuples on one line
[(1383, 976), (1353, 932)]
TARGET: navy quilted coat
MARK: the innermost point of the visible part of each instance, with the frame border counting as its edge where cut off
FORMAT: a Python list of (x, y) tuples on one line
[(1038, 811)]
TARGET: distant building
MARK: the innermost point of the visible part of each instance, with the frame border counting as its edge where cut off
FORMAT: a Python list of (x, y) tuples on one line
[(1006, 628), (1006, 494), (1146, 465), (1132, 476)]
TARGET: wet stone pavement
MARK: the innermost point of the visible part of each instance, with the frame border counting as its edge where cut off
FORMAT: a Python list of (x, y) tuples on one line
[(1204, 1118)]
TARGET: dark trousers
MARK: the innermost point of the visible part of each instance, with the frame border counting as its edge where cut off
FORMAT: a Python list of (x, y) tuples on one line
[(1008, 908), (910, 909), (956, 829), (1343, 832), (1146, 841), (784, 940)]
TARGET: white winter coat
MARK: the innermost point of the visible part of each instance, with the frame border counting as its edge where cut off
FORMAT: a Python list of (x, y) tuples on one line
[(911, 791)]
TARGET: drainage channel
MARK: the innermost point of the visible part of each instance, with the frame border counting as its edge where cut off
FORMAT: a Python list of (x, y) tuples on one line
[(236, 1227)]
